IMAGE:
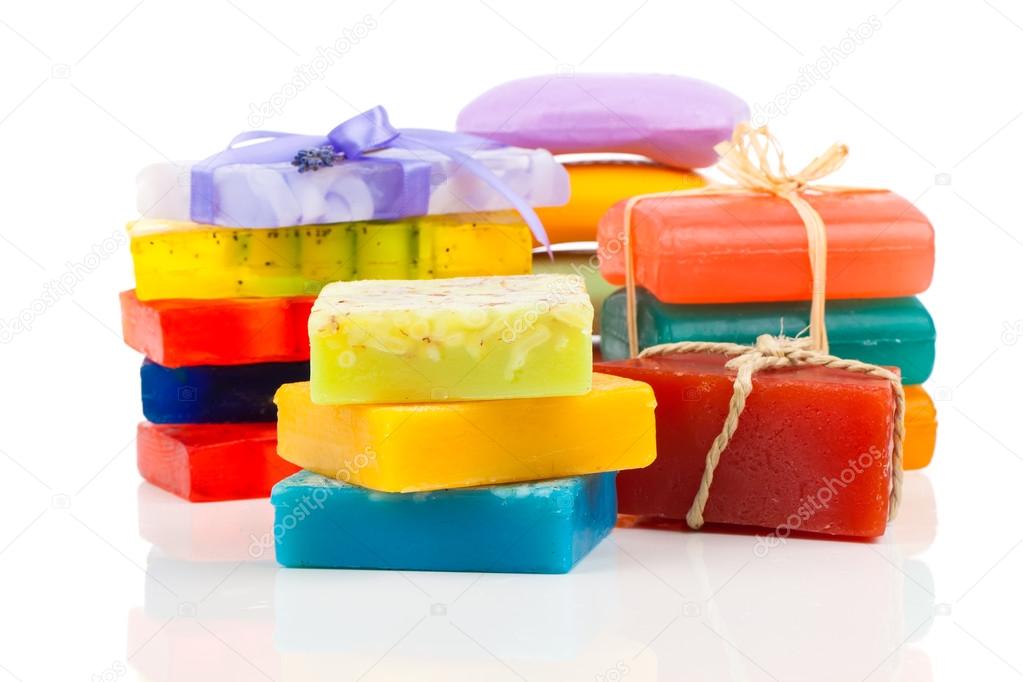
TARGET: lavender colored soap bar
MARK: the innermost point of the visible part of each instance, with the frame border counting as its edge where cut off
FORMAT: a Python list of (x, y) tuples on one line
[(537, 527), (674, 120), (386, 185)]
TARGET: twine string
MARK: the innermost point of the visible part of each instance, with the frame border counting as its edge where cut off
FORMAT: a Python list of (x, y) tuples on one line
[(754, 160)]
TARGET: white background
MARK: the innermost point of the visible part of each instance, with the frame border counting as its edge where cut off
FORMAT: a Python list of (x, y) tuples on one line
[(930, 106)]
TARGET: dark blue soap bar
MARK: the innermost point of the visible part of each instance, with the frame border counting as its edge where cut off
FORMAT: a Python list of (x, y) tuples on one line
[(536, 527), (215, 394), (894, 332)]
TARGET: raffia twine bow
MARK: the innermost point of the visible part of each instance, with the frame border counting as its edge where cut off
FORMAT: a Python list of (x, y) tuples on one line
[(753, 158)]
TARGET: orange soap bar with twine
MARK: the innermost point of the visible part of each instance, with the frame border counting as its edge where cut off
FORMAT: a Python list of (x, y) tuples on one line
[(749, 247), (812, 451)]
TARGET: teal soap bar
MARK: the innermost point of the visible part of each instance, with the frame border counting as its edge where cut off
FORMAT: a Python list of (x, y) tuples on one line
[(895, 332), (536, 527)]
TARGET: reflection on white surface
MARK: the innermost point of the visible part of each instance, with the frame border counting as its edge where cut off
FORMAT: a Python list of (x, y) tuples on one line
[(647, 604)]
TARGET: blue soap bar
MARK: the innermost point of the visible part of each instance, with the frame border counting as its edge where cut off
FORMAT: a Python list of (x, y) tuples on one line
[(208, 394), (894, 332), (537, 527)]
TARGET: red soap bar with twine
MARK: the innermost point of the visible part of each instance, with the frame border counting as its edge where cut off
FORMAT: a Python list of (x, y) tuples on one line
[(812, 451), (185, 332), (211, 462)]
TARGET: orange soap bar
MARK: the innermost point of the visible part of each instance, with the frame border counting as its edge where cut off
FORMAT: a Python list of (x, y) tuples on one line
[(596, 186), (747, 248), (211, 462), (812, 451), (921, 428), (240, 331)]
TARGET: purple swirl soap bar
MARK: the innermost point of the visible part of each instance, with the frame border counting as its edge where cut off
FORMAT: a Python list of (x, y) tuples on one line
[(386, 185)]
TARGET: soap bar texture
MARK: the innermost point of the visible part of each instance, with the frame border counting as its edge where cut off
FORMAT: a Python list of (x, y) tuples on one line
[(407, 448), (882, 331), (748, 248), (368, 188), (812, 451), (921, 428), (184, 332), (457, 339), (598, 185), (211, 462), (189, 260), (536, 527), (213, 394)]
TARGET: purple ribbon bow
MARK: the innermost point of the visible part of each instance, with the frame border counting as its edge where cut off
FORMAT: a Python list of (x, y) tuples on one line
[(354, 139)]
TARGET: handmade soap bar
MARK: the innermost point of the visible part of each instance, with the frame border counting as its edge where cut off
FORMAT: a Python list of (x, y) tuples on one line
[(596, 186), (812, 451), (407, 448), (672, 119), (188, 260), (742, 248), (457, 339), (882, 331), (921, 428), (207, 394), (185, 332), (210, 462), (388, 184), (536, 527)]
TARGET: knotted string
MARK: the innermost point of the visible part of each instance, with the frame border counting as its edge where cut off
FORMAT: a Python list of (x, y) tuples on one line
[(755, 161), (753, 158)]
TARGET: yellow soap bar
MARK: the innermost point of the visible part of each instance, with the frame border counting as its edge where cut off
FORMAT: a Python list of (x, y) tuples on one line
[(432, 446), (597, 186), (464, 338), (921, 429), (175, 259)]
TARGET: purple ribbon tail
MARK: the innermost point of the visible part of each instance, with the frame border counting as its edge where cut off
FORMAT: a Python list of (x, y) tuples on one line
[(483, 173)]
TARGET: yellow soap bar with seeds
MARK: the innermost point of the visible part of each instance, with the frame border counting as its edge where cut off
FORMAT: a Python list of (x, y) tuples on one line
[(466, 338), (433, 446), (175, 259)]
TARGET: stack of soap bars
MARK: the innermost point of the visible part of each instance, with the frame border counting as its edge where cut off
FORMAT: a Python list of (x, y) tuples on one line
[(220, 307), (728, 268), (454, 425)]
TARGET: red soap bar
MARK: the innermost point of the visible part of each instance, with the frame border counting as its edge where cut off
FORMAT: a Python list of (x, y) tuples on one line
[(185, 332), (812, 451), (211, 462)]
